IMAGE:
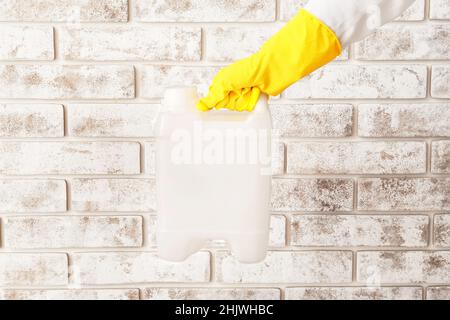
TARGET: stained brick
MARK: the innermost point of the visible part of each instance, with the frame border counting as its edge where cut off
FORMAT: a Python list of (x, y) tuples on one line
[(131, 43), (211, 294), (73, 11), (66, 82), (205, 11), (113, 195), (442, 230), (404, 120), (356, 157), (438, 293), (354, 231), (32, 195), (440, 157), (404, 194), (439, 9), (33, 269), (290, 7), (72, 231), (354, 293), (112, 120), (26, 43), (440, 78), (287, 267), (137, 267), (154, 79), (308, 120), (74, 294), (69, 158), (362, 82), (406, 42), (312, 195), (403, 267)]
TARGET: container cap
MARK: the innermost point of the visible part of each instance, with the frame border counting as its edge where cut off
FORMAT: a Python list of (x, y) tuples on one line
[(180, 98)]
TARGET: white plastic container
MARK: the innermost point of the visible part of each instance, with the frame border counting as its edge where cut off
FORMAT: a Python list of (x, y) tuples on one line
[(212, 177)]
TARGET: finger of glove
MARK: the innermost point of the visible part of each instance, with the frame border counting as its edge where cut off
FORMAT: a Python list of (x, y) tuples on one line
[(233, 78), (242, 100), (211, 100)]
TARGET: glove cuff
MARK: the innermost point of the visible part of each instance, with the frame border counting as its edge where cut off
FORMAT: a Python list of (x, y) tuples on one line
[(303, 45)]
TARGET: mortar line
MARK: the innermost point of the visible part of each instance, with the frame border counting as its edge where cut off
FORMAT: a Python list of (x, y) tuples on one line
[(174, 23), (212, 63), (354, 266), (62, 176), (432, 238), (278, 11), (216, 249), (427, 11), (130, 7)]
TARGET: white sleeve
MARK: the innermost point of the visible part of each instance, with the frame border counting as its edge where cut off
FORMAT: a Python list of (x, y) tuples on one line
[(353, 20)]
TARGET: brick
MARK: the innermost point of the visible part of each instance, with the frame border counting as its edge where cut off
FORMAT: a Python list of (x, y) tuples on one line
[(406, 42), (277, 236), (131, 43), (150, 157), (287, 267), (72, 232), (438, 293), (113, 195), (69, 158), (31, 120), (66, 82), (363, 82), (26, 43), (354, 231), (315, 121), (356, 157), (32, 195), (312, 194), (112, 120), (404, 120), (440, 158), (442, 230), (290, 7), (277, 231), (233, 43), (154, 79), (278, 158), (152, 225), (205, 11), (63, 294), (227, 44), (404, 267), (439, 9), (404, 194), (354, 293), (137, 267), (414, 13), (440, 78), (33, 269), (64, 10), (210, 294)]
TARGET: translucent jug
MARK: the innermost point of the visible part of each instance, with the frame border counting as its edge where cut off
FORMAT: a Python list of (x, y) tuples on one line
[(212, 177)]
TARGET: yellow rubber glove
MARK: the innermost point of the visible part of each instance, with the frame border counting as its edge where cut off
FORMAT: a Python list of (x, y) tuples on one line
[(303, 45)]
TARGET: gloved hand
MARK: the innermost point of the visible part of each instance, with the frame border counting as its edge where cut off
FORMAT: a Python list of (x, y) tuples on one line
[(314, 37), (303, 45)]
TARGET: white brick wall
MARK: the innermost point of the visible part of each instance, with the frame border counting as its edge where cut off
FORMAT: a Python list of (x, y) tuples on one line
[(361, 187)]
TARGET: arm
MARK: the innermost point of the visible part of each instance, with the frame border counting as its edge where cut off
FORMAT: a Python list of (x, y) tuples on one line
[(353, 20), (313, 38)]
